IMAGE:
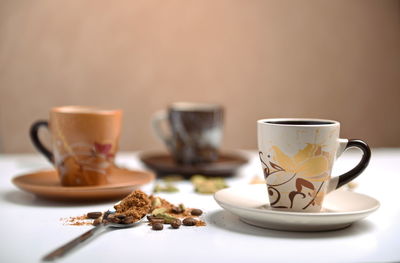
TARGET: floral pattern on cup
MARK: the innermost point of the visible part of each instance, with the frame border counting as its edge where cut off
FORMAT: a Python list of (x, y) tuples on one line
[(296, 181), (84, 163)]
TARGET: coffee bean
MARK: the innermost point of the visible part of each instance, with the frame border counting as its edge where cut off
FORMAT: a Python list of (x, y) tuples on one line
[(113, 219), (97, 222), (116, 220), (122, 216), (196, 212), (189, 221), (157, 220), (176, 210), (128, 220), (157, 226), (176, 223), (94, 215)]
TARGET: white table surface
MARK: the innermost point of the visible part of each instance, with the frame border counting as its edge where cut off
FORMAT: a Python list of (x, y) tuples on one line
[(31, 227)]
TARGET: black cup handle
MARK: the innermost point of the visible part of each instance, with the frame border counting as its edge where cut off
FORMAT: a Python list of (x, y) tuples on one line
[(34, 133), (356, 171)]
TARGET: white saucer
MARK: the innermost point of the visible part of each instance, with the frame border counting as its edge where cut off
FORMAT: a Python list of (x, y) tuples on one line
[(341, 208)]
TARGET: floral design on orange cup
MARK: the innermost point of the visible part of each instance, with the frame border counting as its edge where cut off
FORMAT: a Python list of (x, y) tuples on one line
[(84, 143), (88, 165)]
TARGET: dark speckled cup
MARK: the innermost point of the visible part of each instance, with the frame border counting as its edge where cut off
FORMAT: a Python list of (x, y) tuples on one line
[(195, 131)]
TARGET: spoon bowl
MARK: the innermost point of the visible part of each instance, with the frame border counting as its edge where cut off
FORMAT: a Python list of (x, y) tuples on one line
[(118, 225)]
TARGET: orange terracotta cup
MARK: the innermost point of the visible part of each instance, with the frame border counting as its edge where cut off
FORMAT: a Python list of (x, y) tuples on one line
[(84, 143)]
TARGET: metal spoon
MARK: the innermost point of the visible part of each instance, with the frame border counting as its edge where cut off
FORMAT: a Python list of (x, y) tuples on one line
[(64, 249)]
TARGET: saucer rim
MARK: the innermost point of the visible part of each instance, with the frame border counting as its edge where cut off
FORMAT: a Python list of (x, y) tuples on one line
[(238, 154), (16, 180), (224, 169), (303, 214)]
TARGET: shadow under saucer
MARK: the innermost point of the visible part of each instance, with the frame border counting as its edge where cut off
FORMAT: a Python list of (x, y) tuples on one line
[(228, 221), (27, 199)]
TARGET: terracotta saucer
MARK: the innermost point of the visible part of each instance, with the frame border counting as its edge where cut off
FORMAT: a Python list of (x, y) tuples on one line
[(163, 164), (46, 184), (340, 209)]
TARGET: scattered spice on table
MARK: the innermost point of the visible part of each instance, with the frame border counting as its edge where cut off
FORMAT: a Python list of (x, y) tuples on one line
[(200, 223), (82, 220), (137, 205)]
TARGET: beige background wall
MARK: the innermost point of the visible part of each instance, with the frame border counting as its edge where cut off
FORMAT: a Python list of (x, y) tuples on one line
[(327, 59)]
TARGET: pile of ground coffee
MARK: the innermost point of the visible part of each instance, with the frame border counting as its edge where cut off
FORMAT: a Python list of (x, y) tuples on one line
[(135, 205)]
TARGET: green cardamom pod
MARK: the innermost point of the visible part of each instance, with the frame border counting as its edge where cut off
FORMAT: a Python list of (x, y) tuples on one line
[(167, 218), (156, 203), (157, 211)]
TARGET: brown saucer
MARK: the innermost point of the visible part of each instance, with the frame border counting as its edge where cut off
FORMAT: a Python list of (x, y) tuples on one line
[(163, 164), (46, 184)]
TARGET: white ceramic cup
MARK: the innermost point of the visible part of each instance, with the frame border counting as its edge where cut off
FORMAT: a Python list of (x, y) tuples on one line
[(297, 156)]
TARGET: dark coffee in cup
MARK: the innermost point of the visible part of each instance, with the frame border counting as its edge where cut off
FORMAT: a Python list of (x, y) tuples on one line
[(195, 131), (300, 122)]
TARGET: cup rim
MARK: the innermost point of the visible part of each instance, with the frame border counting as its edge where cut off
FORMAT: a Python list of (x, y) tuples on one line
[(78, 109), (194, 106), (323, 122)]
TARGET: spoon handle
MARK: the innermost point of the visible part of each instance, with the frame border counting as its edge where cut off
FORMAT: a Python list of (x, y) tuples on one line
[(64, 249)]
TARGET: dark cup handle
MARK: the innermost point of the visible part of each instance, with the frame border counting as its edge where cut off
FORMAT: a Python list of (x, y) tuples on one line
[(34, 133), (345, 178), (158, 118)]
